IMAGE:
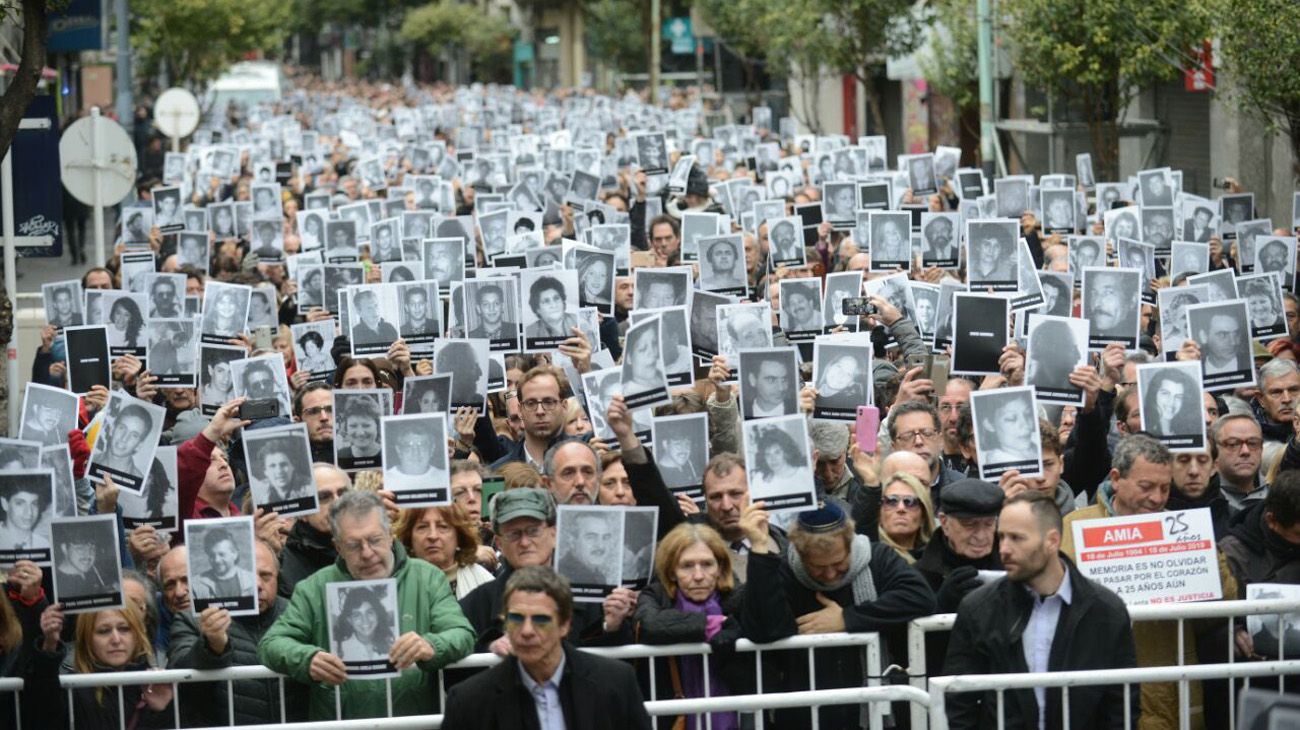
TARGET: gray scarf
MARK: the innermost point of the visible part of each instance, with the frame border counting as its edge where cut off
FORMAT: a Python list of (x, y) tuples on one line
[(859, 574)]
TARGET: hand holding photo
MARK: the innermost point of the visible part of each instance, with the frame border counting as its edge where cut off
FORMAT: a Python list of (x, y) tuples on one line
[(127, 439), (221, 557), (1006, 432), (363, 626), (779, 458), (87, 569), (280, 473), (1171, 407), (415, 459)]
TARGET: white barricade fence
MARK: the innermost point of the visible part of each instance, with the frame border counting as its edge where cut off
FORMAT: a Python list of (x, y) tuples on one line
[(1182, 612), (941, 687), (13, 685), (869, 643)]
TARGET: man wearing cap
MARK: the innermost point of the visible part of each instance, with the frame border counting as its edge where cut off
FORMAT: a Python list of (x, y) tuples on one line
[(965, 543), (524, 522), (831, 580)]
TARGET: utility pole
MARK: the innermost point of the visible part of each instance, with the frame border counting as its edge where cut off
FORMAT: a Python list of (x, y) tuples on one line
[(654, 51), (125, 104), (987, 130)]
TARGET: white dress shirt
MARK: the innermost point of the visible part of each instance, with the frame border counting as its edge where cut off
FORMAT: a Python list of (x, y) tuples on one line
[(546, 697), (1039, 633)]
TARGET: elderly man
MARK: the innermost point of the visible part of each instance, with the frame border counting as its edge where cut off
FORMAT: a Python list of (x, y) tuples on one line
[(524, 523), (216, 640), (1273, 405), (432, 632), (915, 426), (965, 543), (310, 546), (831, 580), (546, 679), (572, 472), (1138, 483)]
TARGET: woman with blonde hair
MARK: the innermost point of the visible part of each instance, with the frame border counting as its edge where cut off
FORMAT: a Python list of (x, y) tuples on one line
[(445, 537), (105, 641), (696, 599), (906, 516)]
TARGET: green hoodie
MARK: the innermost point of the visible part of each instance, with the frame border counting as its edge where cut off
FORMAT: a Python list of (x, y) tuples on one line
[(427, 605)]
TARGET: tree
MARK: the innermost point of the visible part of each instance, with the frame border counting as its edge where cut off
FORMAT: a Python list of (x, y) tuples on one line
[(442, 26), (951, 67), (1260, 46), (198, 39), (31, 62), (617, 34), (1099, 53)]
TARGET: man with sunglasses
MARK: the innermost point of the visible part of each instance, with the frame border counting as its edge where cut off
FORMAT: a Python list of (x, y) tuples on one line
[(547, 682), (524, 523)]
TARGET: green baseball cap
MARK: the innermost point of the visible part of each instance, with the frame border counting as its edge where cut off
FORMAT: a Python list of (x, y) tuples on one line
[(523, 502)]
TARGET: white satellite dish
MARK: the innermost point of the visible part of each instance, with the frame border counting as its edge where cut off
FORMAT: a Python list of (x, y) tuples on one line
[(176, 113), (97, 166)]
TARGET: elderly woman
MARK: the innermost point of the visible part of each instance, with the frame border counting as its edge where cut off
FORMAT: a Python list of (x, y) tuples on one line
[(105, 641), (696, 599), (445, 537), (906, 516)]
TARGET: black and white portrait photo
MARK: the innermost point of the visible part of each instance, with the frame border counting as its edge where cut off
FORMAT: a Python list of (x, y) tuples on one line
[(1140, 256), (1234, 209), (87, 569), (979, 331), (396, 272), (225, 311), (1171, 405), (769, 382), (840, 286), (123, 316), (523, 232), (1006, 432), (1276, 255), (595, 278), (589, 550), (801, 308), (386, 240), (420, 320), (894, 289), (357, 437), (1263, 295), (1221, 284), (63, 304), (1011, 196), (1058, 211), (262, 378), (363, 626), (703, 315), (939, 244), (744, 326), (221, 221), (279, 469), (167, 209), (891, 240), (58, 459), (266, 201), (221, 564), (921, 177), (311, 348), (341, 241), (426, 394), (675, 344), (840, 204), (1083, 170), (661, 287), (550, 312), (1111, 304), (1057, 345), (681, 451), (652, 153), (444, 260), (1222, 330), (1187, 258), (268, 241), (1158, 228), (696, 226), (126, 441), (311, 229), (1200, 221), (785, 243), (1173, 314), (778, 454), (842, 377), (373, 314), (216, 385), (643, 378), (991, 254), (26, 500), (1058, 292), (722, 265), (1156, 187), (491, 312), (615, 238), (1274, 635), (174, 352), (48, 414), (640, 525), (157, 505), (1085, 251), (466, 360), (311, 287), (166, 295), (415, 459)]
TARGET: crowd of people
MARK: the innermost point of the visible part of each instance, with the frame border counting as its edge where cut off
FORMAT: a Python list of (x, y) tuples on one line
[(902, 522)]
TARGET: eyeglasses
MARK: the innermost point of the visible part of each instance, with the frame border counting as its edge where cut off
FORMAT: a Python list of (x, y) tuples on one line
[(532, 533), (375, 542), (893, 501), (541, 621), (317, 410), (547, 404), (1235, 444), (924, 433)]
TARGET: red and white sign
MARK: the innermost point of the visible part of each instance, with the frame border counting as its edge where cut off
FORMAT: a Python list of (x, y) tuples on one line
[(1166, 557)]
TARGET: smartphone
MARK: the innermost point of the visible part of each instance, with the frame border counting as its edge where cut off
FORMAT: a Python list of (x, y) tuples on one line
[(939, 374), (254, 410), (868, 427), (857, 306), (925, 362)]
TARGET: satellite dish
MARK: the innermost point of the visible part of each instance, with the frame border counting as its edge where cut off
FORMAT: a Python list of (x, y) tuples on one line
[(176, 113), (95, 152)]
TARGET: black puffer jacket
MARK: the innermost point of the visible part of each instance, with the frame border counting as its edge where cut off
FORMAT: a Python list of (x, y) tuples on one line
[(256, 701), (306, 551), (1256, 554)]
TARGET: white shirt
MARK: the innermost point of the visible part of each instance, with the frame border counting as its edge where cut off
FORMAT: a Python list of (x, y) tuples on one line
[(1039, 633), (546, 697), (759, 411)]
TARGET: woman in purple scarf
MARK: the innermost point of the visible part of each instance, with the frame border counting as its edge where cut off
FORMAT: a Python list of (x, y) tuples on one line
[(695, 599)]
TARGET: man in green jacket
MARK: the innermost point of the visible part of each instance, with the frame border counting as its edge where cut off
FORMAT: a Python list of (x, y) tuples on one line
[(433, 631)]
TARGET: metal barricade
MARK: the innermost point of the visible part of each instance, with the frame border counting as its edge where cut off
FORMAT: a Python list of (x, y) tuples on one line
[(1182, 612), (14, 685), (941, 687), (868, 642)]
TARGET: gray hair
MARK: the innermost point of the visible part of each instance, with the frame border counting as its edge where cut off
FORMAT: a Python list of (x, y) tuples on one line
[(1139, 445), (1277, 368), (357, 505), (1140, 357), (548, 461)]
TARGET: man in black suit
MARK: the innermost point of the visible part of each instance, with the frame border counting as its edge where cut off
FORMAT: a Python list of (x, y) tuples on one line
[(582, 691)]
